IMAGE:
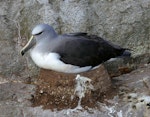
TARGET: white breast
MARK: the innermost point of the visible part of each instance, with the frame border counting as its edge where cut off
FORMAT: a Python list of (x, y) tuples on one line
[(52, 61)]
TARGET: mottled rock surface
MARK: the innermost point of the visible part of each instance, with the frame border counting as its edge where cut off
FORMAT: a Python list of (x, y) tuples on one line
[(131, 98), (123, 22)]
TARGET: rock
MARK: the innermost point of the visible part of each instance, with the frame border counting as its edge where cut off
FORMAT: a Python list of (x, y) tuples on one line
[(117, 21), (134, 92), (119, 66), (58, 90), (130, 99)]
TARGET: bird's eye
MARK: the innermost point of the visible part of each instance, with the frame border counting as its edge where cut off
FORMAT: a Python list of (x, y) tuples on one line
[(39, 33)]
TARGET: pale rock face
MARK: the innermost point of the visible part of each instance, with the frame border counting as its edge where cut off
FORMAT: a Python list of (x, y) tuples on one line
[(124, 22)]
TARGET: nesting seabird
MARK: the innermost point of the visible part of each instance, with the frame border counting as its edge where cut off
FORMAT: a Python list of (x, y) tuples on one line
[(69, 53)]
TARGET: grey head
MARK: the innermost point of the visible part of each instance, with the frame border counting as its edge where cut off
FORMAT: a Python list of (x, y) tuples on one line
[(41, 33)]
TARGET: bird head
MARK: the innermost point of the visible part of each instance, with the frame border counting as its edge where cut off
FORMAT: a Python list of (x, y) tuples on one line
[(40, 33)]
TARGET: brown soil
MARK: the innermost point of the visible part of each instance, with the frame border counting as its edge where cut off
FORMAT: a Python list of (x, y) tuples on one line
[(54, 90)]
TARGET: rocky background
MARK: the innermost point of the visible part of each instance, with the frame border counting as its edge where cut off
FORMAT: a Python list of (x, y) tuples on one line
[(124, 22)]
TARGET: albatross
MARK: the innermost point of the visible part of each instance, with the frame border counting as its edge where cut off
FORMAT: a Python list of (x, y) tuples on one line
[(69, 53)]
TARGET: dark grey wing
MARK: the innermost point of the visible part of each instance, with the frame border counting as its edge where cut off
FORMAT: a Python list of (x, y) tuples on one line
[(82, 51), (121, 52), (76, 34)]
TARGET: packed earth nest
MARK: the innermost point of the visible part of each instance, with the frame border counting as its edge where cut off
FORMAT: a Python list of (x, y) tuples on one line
[(60, 91)]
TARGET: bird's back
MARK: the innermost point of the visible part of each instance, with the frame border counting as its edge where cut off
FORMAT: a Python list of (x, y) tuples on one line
[(83, 50)]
